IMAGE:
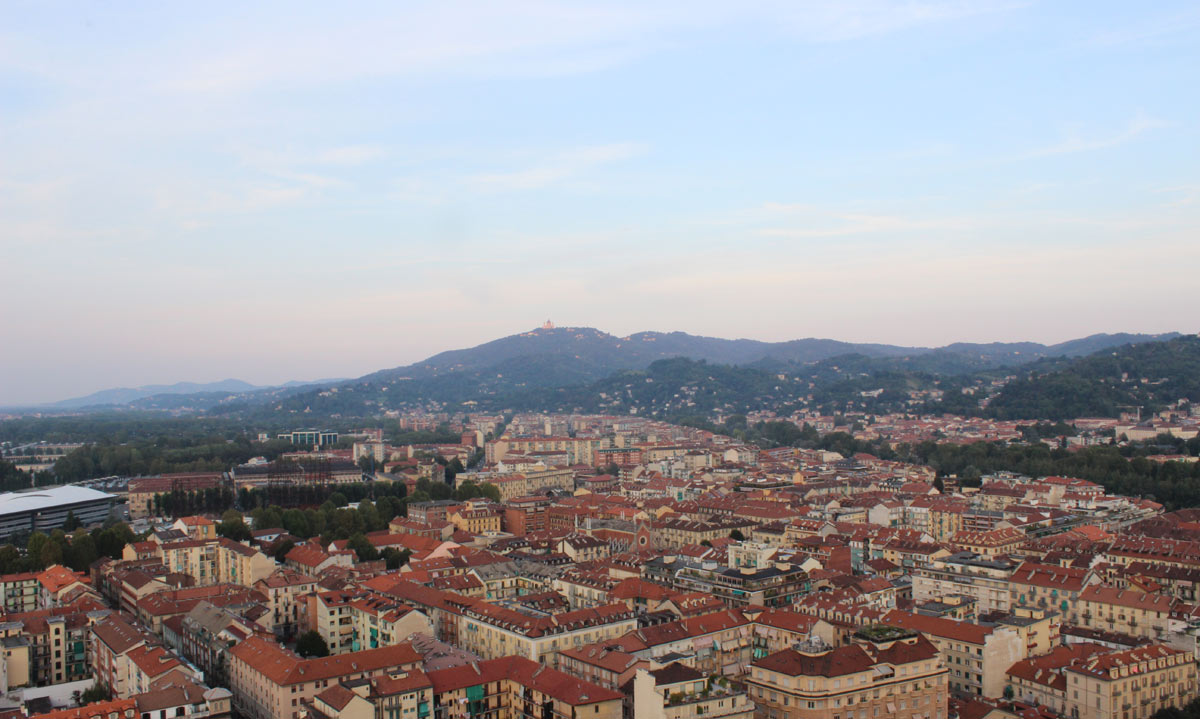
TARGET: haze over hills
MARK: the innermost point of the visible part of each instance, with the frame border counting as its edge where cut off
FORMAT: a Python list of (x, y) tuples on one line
[(126, 395), (592, 354), (576, 357)]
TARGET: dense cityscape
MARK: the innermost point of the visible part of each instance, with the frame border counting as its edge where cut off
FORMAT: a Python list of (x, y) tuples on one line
[(563, 566), (600, 359)]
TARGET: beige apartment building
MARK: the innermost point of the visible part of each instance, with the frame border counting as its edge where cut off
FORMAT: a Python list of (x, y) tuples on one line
[(888, 673), (213, 561), (984, 580), (270, 682), (533, 482), (285, 591), (1125, 611), (492, 631), (677, 691), (1051, 587), (1131, 684), (976, 658), (579, 450)]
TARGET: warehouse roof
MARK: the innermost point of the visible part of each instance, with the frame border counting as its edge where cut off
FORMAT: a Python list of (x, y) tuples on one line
[(49, 498)]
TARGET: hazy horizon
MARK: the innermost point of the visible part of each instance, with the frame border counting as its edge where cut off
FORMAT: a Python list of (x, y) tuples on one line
[(319, 378), (290, 190)]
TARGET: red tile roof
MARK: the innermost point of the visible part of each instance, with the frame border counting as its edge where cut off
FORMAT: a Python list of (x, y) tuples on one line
[(282, 667), (551, 682)]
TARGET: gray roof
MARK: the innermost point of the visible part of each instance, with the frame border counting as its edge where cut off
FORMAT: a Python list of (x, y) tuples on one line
[(49, 498)]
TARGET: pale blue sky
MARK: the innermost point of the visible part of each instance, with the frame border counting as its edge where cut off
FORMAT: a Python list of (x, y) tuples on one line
[(292, 191)]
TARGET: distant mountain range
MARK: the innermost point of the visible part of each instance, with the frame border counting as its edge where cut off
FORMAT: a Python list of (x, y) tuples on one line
[(522, 365), (126, 395)]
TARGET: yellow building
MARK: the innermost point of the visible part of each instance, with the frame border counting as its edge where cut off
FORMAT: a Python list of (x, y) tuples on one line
[(1131, 684), (990, 543), (1125, 611), (212, 561), (493, 631), (476, 518)]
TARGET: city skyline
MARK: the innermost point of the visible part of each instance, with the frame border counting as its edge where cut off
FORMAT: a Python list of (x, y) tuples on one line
[(283, 192)]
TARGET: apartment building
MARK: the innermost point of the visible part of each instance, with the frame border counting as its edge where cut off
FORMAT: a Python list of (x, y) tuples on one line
[(984, 580), (381, 621), (285, 591), (212, 561), (476, 518), (677, 691), (718, 643), (1125, 611), (990, 543), (518, 688), (676, 533), (524, 515), (270, 682), (534, 481), (887, 672), (579, 450), (1049, 586), (19, 592), (976, 657), (407, 696), (49, 646), (602, 664), (492, 631), (1130, 684)]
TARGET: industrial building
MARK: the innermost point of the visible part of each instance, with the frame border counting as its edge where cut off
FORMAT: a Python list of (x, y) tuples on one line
[(22, 513)]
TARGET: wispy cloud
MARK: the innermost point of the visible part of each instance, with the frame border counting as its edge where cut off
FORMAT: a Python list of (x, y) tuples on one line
[(558, 167), (810, 222), (1183, 195), (1158, 27), (1139, 125), (854, 19)]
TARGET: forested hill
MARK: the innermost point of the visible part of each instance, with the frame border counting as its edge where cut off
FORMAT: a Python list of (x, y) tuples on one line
[(1151, 375), (552, 368)]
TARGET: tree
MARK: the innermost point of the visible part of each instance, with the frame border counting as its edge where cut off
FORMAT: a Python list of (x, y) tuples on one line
[(737, 535), (71, 523), (96, 693), (33, 549), (363, 548), (282, 550), (489, 490), (235, 529), (10, 560), (82, 551), (312, 644), (396, 558), (367, 463)]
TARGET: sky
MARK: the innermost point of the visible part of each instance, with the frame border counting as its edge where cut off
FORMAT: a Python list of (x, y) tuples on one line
[(282, 191)]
